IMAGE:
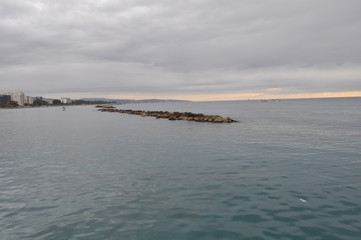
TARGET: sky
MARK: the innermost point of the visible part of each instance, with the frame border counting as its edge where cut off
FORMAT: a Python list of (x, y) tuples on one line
[(194, 50)]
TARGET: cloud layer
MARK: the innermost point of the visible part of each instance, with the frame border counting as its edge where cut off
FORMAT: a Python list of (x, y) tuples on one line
[(163, 48)]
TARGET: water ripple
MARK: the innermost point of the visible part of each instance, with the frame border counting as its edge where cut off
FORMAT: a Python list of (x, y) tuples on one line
[(99, 176)]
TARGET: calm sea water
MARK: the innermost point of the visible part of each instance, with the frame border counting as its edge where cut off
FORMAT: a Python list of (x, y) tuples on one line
[(288, 170)]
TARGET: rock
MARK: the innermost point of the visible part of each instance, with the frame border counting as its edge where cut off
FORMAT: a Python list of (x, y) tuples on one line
[(187, 116), (219, 119)]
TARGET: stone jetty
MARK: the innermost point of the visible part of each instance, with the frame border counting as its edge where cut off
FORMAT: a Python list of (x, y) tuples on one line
[(187, 116)]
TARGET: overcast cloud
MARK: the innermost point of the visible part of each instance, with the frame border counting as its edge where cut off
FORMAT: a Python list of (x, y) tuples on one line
[(102, 48)]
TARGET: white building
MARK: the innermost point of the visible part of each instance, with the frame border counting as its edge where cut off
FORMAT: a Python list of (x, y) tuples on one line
[(18, 97), (65, 100), (29, 100)]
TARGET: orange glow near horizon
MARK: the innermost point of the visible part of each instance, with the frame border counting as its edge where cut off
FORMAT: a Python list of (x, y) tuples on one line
[(240, 96)]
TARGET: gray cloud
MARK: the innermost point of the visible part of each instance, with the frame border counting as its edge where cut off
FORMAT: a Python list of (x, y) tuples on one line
[(179, 46)]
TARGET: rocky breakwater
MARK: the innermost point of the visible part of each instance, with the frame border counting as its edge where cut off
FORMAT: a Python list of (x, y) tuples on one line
[(187, 116)]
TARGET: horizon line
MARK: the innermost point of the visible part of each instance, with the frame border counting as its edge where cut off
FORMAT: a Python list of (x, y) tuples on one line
[(206, 97)]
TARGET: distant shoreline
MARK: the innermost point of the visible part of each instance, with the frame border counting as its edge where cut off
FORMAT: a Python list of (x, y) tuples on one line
[(140, 101), (46, 106)]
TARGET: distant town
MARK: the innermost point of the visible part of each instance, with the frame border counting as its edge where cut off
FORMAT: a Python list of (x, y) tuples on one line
[(19, 99)]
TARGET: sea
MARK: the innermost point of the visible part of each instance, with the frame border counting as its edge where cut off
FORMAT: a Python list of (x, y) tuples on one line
[(288, 169)]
